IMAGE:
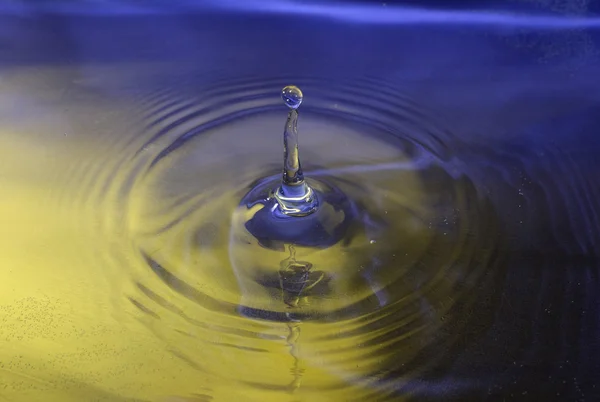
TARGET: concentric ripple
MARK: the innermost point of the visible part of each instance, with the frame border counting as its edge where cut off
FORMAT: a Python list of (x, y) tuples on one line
[(405, 308)]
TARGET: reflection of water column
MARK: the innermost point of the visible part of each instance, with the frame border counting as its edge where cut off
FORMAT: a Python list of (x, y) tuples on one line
[(295, 279), (292, 341)]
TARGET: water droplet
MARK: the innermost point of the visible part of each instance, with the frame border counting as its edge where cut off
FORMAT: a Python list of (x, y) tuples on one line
[(295, 197), (292, 96)]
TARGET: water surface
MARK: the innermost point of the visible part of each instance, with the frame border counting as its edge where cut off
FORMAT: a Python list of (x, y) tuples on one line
[(127, 143)]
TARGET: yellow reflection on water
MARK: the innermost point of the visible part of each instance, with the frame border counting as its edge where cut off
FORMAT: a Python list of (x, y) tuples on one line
[(67, 331)]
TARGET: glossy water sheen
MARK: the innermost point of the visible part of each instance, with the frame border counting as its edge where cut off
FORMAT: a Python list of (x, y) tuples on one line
[(469, 269)]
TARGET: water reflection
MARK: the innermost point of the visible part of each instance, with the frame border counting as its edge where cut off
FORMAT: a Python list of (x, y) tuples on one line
[(117, 224)]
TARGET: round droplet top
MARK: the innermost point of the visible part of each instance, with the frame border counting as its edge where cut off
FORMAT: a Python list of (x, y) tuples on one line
[(292, 96)]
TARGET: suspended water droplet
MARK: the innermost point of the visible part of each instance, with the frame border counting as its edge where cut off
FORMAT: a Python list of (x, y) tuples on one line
[(292, 96)]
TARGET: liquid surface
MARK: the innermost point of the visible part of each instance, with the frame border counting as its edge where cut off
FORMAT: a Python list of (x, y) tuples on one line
[(128, 271)]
